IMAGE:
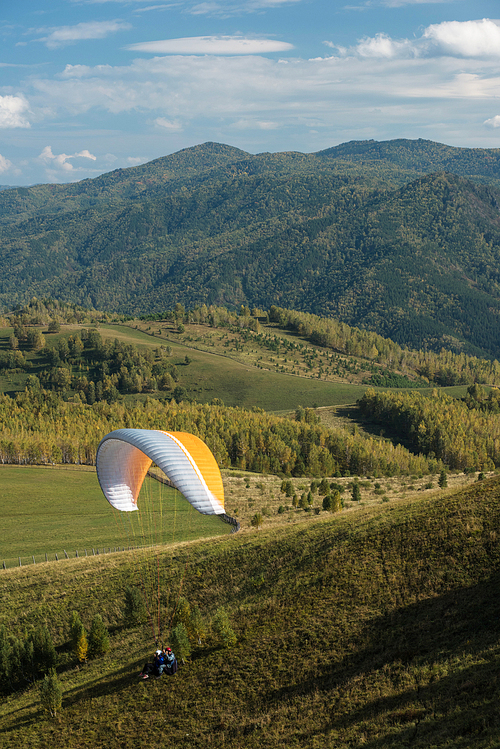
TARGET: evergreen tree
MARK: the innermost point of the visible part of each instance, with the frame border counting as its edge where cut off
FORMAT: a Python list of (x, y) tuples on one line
[(98, 639), (51, 693), (337, 501), (75, 629), (134, 611), (356, 492), (324, 487), (44, 652), (443, 479), (328, 502), (222, 629), (179, 642), (5, 657)]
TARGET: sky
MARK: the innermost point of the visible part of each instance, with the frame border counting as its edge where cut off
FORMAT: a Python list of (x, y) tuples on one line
[(88, 86)]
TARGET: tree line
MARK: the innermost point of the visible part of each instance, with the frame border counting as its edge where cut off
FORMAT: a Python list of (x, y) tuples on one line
[(39, 427), (463, 434)]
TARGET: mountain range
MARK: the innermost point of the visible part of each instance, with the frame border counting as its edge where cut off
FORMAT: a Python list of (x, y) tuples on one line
[(401, 237)]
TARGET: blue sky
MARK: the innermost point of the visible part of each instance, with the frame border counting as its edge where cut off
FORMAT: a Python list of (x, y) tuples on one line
[(88, 86)]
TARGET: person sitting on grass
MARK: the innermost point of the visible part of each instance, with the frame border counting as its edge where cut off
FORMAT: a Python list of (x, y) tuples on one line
[(156, 667), (170, 662)]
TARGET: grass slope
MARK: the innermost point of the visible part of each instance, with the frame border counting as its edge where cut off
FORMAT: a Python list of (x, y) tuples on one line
[(237, 382), (233, 377), (376, 628)]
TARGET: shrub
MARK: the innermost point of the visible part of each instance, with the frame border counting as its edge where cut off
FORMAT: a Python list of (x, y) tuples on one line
[(98, 640), (222, 629), (51, 694), (324, 487), (179, 642), (257, 520)]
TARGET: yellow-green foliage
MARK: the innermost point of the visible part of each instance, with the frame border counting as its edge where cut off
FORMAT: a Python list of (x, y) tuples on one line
[(82, 647), (374, 628), (42, 428), (222, 629), (444, 368), (51, 694), (98, 639), (462, 437)]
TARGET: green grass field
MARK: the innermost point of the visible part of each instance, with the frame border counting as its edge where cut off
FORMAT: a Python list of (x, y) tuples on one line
[(52, 510)]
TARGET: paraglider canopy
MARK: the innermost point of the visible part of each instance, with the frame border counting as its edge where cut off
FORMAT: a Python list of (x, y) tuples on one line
[(125, 455)]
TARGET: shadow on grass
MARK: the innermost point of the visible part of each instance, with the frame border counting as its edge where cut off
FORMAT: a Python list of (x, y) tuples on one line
[(440, 660)]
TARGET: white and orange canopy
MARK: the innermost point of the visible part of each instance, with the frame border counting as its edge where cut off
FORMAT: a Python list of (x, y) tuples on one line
[(125, 455)]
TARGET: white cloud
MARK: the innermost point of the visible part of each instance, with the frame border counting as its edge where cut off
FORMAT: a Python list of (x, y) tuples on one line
[(208, 7), (168, 124), (165, 6), (211, 45), (13, 111), (466, 38), (383, 46), (5, 164), (60, 36), (403, 3), (235, 8), (186, 99), (493, 121), (135, 160), (178, 88), (463, 39), (61, 160)]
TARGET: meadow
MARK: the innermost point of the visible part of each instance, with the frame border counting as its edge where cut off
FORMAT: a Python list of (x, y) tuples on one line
[(61, 510), (374, 628), (242, 376)]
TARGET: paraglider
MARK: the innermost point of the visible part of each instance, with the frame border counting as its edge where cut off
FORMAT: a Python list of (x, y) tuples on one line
[(125, 456)]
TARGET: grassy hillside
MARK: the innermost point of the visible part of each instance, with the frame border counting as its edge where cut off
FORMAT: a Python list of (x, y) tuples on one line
[(221, 365), (377, 627)]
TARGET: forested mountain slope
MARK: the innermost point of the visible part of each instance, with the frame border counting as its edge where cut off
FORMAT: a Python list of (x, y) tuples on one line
[(361, 232)]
